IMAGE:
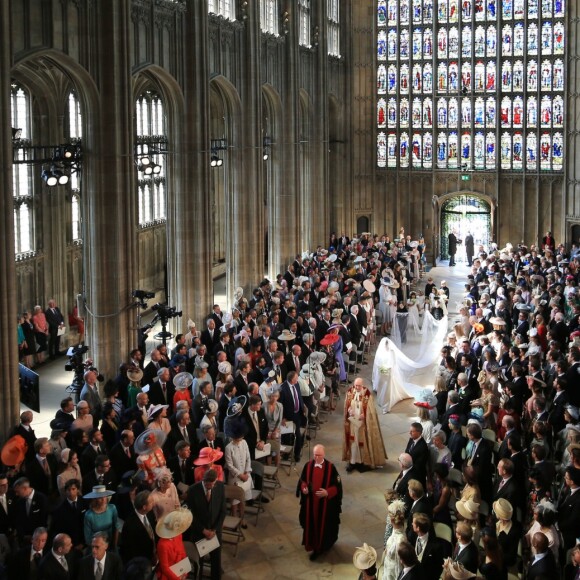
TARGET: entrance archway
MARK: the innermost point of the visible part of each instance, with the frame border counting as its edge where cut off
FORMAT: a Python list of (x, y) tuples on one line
[(465, 213)]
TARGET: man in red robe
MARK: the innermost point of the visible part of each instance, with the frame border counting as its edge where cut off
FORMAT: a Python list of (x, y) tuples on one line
[(320, 492)]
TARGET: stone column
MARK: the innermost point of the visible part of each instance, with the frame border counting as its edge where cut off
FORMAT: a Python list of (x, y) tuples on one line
[(189, 228), (319, 146), (110, 223), (10, 395), (285, 233), (247, 263)]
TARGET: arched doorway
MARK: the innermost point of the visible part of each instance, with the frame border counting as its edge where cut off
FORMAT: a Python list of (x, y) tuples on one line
[(465, 213), (362, 224)]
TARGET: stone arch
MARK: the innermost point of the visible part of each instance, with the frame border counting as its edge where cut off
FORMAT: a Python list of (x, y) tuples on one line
[(272, 129), (225, 122), (486, 206)]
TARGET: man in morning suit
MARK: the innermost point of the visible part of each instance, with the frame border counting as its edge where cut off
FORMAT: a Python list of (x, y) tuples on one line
[(59, 563), (207, 501), (466, 551), (257, 433), (24, 429), (544, 564), (25, 563), (408, 472), (138, 535), (417, 448), (30, 509), (480, 458), (41, 469), (428, 547), (213, 440), (412, 568), (181, 465), (68, 517), (122, 455), (55, 320), (293, 409), (100, 563), (569, 508)]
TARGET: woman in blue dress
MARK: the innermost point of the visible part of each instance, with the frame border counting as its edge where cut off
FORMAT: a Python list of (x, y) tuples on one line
[(101, 516)]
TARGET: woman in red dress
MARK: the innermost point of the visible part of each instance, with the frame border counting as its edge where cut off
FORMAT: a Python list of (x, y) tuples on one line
[(170, 549)]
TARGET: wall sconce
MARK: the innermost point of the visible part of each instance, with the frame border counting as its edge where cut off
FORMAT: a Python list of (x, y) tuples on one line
[(315, 35), (144, 161), (266, 148), (244, 9), (217, 145), (285, 22)]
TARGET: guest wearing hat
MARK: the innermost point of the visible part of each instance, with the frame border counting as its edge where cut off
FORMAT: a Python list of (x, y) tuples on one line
[(208, 459), (211, 411), (158, 421), (200, 402), (213, 440), (273, 412), (456, 571), (508, 531), (68, 469), (365, 560), (170, 548), (134, 374), (164, 495), (101, 515), (468, 511), (149, 450)]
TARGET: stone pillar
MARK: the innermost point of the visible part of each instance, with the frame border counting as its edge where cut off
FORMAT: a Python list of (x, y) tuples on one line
[(189, 228), (110, 225), (247, 263), (284, 232), (10, 395)]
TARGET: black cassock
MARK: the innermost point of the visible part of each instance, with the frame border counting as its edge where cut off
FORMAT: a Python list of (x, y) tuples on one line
[(319, 518)]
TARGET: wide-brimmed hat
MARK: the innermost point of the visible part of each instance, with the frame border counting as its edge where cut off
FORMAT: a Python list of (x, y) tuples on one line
[(467, 508), (14, 451), (337, 312), (523, 307), (236, 405), (174, 523), (286, 335), (154, 410), (211, 406), (503, 509), (364, 557), (134, 374), (317, 357), (225, 368), (369, 286), (208, 455), (329, 339), (394, 284), (426, 399), (98, 492), (129, 480), (149, 438), (182, 381), (497, 321), (457, 570)]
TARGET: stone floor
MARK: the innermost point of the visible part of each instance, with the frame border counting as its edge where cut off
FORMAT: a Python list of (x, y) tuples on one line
[(273, 548)]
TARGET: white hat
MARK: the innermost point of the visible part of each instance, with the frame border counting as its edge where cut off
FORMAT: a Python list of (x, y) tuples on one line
[(364, 557)]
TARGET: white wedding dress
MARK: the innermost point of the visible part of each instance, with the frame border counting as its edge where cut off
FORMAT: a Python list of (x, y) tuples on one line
[(393, 370)]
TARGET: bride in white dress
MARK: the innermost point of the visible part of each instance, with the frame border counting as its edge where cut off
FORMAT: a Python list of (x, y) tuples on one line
[(391, 564)]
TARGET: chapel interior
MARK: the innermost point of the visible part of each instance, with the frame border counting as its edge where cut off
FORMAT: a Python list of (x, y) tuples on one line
[(266, 125)]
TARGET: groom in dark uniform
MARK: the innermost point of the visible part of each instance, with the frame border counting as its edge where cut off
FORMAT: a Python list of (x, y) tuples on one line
[(453, 241), (320, 492)]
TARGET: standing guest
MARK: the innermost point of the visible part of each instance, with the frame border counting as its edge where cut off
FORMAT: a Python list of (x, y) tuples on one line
[(412, 569), (466, 551), (25, 563), (69, 469), (55, 321), (392, 566), (24, 429), (294, 411), (41, 470), (122, 454), (418, 449), (29, 349), (138, 534), (569, 508), (469, 248), (274, 411), (90, 394), (109, 426), (572, 570), (84, 420), (238, 462), (320, 492), (207, 500), (101, 516), (365, 560), (170, 548), (543, 565), (363, 447), (545, 518), (67, 518), (428, 547), (40, 333), (493, 567), (59, 563), (30, 509), (508, 531), (165, 497), (452, 242), (101, 563)]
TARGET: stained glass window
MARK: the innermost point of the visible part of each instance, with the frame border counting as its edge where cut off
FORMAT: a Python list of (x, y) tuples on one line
[(150, 120), (269, 16), (471, 84), (333, 27), (304, 22)]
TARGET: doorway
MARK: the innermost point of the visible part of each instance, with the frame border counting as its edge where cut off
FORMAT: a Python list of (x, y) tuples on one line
[(465, 213)]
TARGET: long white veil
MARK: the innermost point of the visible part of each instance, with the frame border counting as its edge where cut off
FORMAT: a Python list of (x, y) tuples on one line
[(394, 369)]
